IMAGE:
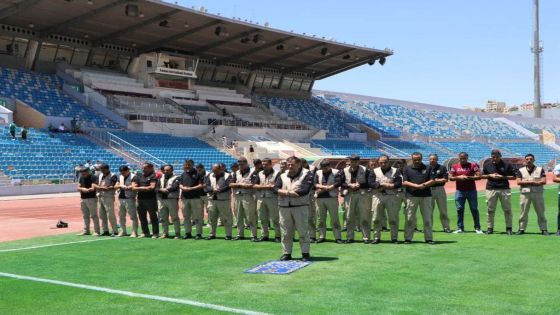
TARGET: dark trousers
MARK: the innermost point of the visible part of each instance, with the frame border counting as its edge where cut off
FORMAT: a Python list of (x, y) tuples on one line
[(146, 206), (13, 134), (558, 211), (460, 199)]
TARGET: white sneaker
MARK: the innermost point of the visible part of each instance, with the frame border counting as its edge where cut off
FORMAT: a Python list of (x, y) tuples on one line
[(459, 231), (478, 231)]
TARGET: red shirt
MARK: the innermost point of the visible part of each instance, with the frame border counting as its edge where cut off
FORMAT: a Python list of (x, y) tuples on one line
[(469, 170)]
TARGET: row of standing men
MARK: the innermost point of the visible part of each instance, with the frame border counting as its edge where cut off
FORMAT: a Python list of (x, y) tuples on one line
[(293, 198)]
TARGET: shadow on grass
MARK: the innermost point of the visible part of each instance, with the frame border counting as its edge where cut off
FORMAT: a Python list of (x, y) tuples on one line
[(321, 258)]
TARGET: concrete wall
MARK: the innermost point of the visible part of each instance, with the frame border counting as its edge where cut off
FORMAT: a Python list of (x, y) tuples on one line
[(6, 115), (36, 189), (27, 116)]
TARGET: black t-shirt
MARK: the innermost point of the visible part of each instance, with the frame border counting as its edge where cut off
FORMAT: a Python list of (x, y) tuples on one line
[(439, 172), (502, 168), (87, 182), (192, 179), (145, 181), (418, 176)]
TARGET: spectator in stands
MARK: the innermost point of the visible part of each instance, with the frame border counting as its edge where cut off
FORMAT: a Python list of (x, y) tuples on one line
[(417, 178), (73, 125), (245, 205), (385, 180), (465, 174), (88, 203), (439, 196), (498, 173), (213, 131), (267, 201), (24, 132), (327, 181), (13, 128), (192, 185), (224, 141), (105, 187), (168, 192), (147, 202), (77, 170), (293, 188), (216, 185), (354, 181), (251, 152), (127, 201), (61, 128), (531, 179), (556, 179)]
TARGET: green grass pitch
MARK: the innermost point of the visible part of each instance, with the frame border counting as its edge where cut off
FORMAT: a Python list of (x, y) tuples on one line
[(464, 274)]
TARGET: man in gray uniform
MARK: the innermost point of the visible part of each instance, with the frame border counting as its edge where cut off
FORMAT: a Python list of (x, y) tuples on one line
[(168, 201), (267, 201), (327, 181), (245, 204), (216, 185), (127, 201), (293, 187), (105, 187), (358, 199)]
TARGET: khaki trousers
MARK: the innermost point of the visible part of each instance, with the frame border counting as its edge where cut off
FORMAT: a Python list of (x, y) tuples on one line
[(312, 218), (169, 207), (439, 197), (292, 219), (246, 213), (330, 206), (412, 204), (107, 208), (220, 209), (89, 212), (128, 206), (268, 211), (359, 212), (537, 199), (492, 197), (380, 205), (192, 212)]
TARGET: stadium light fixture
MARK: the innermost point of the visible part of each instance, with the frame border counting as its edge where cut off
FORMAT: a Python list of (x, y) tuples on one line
[(259, 39), (245, 40), (280, 47), (382, 61), (325, 51), (221, 31), (131, 10), (371, 62), (346, 57), (90, 2), (186, 25), (164, 23)]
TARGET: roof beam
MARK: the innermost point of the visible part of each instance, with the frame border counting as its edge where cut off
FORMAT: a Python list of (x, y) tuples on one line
[(285, 56), (80, 18), (135, 27), (175, 37), (16, 8), (225, 41), (254, 50), (318, 60), (336, 70)]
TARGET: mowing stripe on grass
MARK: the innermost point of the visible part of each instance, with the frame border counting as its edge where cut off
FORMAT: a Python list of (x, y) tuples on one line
[(133, 294), (52, 245)]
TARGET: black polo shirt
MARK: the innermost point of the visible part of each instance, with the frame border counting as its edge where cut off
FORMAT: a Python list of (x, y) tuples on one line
[(145, 181), (418, 175), (439, 172), (87, 182), (192, 179), (503, 168)]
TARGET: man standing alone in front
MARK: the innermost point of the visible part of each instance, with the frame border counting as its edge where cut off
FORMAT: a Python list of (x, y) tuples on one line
[(498, 172), (464, 174)]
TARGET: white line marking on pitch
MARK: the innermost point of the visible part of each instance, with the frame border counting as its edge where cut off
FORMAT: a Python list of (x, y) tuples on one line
[(133, 294), (52, 245)]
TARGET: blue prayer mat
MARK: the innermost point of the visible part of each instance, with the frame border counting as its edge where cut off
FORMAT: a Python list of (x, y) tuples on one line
[(276, 267)]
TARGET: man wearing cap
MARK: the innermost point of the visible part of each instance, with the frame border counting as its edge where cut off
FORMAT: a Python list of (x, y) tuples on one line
[(127, 201), (105, 187), (147, 200), (267, 201), (464, 174), (385, 181), (327, 181), (498, 173), (216, 185), (192, 185), (293, 187), (245, 205), (531, 179), (88, 202), (439, 196), (417, 178), (354, 180), (168, 201)]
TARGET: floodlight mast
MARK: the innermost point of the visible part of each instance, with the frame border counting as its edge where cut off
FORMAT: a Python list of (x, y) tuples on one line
[(537, 50)]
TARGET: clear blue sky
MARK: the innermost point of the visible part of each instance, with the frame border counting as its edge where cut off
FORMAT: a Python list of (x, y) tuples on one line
[(447, 52)]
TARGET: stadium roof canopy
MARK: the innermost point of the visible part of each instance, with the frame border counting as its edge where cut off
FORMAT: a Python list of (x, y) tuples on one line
[(152, 25)]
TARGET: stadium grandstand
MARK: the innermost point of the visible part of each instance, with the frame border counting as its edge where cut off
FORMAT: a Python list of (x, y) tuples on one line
[(132, 82)]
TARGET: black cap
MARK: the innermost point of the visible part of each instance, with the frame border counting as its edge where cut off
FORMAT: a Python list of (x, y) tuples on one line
[(354, 157), (257, 161), (325, 163), (124, 168), (496, 152)]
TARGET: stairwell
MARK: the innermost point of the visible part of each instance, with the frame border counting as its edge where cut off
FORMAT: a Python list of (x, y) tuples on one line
[(5, 181)]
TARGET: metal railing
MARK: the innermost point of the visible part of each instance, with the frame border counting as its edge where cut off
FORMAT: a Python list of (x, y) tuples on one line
[(125, 147)]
